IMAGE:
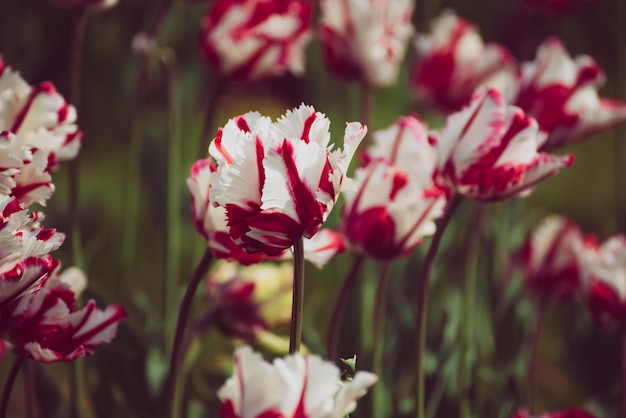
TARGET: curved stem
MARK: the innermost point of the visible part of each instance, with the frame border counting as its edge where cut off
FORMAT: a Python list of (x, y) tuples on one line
[(533, 349), (380, 309), (133, 173), (422, 295), (469, 296), (209, 117), (366, 110), (30, 387), (159, 18), (8, 385), (179, 336), (340, 306), (197, 328), (173, 229), (619, 134), (76, 62), (297, 303)]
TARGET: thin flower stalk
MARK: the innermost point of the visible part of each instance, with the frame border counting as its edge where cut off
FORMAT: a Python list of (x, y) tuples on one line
[(210, 111), (367, 105), (422, 302), (132, 190), (173, 229), (179, 336), (533, 350), (619, 134), (77, 394), (340, 307), (618, 169), (469, 299), (295, 333), (76, 62), (30, 390), (8, 385), (380, 310)]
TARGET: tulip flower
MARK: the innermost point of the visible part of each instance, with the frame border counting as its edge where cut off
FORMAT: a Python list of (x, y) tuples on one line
[(406, 144), (296, 386), (39, 116), (390, 213), (550, 258), (604, 281), (561, 93), (396, 201), (453, 61), (249, 40), (211, 223), (47, 325), (278, 181), (489, 151), (365, 41), (245, 300)]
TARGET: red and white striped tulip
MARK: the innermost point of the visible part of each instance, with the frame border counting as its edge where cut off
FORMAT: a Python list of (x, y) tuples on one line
[(211, 223), (407, 145), (453, 61), (279, 181), (365, 41), (250, 40), (290, 387), (489, 151), (396, 201), (562, 94), (247, 299), (390, 213), (47, 325), (551, 257), (604, 281), (39, 116)]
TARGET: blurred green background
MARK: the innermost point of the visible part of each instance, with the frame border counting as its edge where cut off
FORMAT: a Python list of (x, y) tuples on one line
[(578, 364)]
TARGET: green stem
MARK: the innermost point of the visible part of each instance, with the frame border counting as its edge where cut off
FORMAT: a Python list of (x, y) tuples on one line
[(469, 296), (297, 303), (174, 181), (8, 385), (30, 387), (160, 17), (77, 384), (179, 336), (533, 349), (133, 173), (340, 307), (366, 110), (422, 295), (380, 310), (209, 117), (619, 136), (76, 62)]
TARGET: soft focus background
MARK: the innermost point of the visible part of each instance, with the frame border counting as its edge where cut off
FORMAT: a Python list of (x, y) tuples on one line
[(578, 364)]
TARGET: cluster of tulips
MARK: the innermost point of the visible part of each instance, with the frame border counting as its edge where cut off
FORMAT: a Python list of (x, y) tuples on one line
[(263, 190)]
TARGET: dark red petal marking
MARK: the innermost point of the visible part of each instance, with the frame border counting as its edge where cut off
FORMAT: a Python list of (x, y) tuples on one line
[(308, 123), (306, 205), (218, 145), (242, 124)]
